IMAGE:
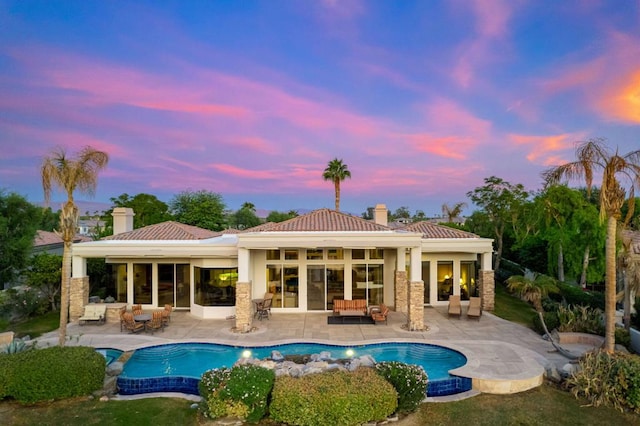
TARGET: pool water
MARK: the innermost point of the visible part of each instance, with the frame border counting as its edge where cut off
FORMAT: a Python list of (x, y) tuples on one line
[(178, 367), (109, 355)]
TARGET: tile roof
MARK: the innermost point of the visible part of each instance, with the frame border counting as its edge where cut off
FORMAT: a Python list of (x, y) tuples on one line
[(46, 238), (326, 220), (432, 230), (166, 231)]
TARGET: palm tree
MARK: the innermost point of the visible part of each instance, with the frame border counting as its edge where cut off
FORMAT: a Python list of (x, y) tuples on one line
[(630, 268), (336, 172), (593, 155), (452, 212), (70, 173), (532, 288)]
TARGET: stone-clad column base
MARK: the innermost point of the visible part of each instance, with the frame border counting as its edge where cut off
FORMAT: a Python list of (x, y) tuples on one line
[(401, 292), (487, 290), (244, 315), (78, 297), (416, 306)]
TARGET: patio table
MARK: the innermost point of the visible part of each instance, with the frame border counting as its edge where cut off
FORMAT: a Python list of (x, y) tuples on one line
[(142, 318)]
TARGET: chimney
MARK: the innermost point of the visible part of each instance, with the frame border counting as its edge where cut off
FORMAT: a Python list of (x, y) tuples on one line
[(380, 214), (122, 220)]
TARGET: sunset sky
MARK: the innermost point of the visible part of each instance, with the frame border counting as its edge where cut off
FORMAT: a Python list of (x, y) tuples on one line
[(251, 99)]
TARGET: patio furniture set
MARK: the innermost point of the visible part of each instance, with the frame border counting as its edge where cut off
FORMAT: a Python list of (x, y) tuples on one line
[(356, 312), (137, 320)]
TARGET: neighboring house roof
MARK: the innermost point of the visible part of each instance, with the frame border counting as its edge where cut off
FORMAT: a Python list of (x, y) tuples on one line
[(46, 238), (432, 230), (325, 220), (166, 231)]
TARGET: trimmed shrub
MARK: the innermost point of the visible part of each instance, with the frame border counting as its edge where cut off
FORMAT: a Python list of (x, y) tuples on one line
[(338, 398), (242, 391), (608, 379), (52, 373), (409, 380), (575, 295), (623, 337)]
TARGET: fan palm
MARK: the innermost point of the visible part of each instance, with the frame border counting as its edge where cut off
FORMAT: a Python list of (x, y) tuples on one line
[(532, 288), (452, 212), (336, 172), (593, 155), (70, 174)]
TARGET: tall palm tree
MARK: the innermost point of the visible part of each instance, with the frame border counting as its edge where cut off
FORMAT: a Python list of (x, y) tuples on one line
[(593, 155), (452, 212), (70, 173), (336, 172)]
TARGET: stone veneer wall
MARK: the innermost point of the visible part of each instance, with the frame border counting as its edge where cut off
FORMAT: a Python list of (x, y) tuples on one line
[(401, 293), (243, 306), (416, 306), (487, 290), (78, 297)]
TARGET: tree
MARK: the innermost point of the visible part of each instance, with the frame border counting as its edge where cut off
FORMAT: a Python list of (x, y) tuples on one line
[(593, 155), (70, 173), (19, 220), (501, 201), (200, 208), (245, 217), (630, 268), (419, 216), (336, 172), (44, 274), (276, 216), (148, 210), (453, 212), (400, 213), (49, 220)]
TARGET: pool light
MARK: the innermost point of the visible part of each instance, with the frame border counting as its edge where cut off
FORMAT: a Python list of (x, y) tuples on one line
[(350, 353), (246, 353)]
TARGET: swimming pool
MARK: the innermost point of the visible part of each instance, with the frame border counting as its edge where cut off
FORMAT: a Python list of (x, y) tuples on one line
[(109, 354), (178, 367)]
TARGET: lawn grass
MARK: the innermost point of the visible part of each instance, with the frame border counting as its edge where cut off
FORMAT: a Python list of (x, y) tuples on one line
[(35, 327), (544, 405), (512, 308), (152, 411)]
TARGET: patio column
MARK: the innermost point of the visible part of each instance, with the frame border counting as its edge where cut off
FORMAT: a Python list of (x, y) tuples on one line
[(79, 288), (243, 293), (401, 291), (416, 292), (487, 282)]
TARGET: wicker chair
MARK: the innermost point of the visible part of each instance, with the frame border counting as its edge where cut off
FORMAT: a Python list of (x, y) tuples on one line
[(454, 306), (475, 308), (380, 315), (130, 324), (166, 314), (157, 322)]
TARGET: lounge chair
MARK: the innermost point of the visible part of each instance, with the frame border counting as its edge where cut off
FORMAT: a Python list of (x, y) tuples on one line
[(474, 310), (157, 321), (130, 324), (93, 313), (380, 314), (123, 311), (454, 306)]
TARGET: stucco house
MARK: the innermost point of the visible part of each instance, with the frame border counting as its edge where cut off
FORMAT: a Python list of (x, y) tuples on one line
[(307, 262)]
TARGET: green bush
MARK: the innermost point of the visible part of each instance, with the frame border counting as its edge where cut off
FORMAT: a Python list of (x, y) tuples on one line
[(213, 380), (410, 382), (550, 319), (580, 319), (242, 391), (337, 398), (623, 337), (608, 379), (575, 295), (51, 373)]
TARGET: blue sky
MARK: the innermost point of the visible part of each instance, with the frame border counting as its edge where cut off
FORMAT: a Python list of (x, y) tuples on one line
[(421, 99)]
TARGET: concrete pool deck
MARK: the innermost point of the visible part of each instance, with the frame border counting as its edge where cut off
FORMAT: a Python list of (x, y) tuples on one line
[(503, 357)]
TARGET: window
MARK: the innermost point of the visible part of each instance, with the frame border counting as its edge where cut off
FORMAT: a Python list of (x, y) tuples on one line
[(291, 255), (376, 253), (367, 283), (142, 283), (215, 286), (117, 281), (335, 254), (445, 280), (273, 254), (357, 254), (468, 286), (426, 273), (314, 254)]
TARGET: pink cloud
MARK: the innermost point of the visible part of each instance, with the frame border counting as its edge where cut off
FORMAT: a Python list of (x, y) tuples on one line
[(492, 16), (234, 171), (621, 101), (544, 150), (447, 147)]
